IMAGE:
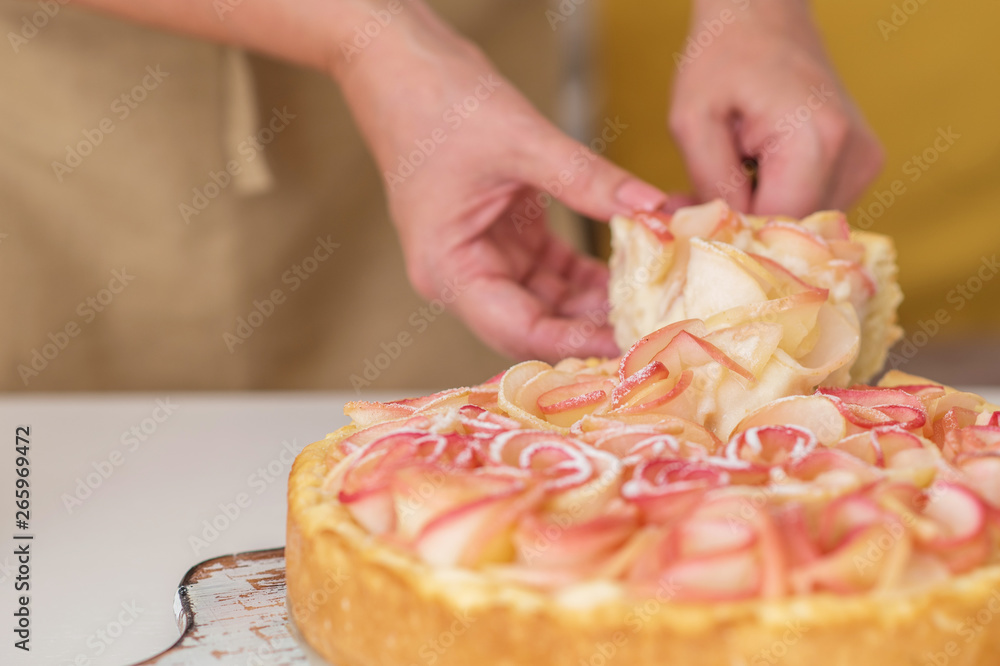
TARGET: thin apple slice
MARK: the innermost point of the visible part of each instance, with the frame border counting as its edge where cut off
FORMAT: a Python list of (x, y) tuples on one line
[(845, 515), (772, 445), (510, 388), (596, 494), (750, 345), (793, 524), (848, 282), (664, 489), (422, 495), (364, 413), (647, 446), (793, 245), (828, 225), (557, 543), (795, 315), (973, 439), (700, 537), (784, 281), (708, 220), (446, 401), (649, 374), (960, 515), (863, 446), (714, 578), (657, 223), (874, 407), (597, 430), (558, 462), (687, 352), (832, 467), (475, 532), (860, 563), (645, 350), (483, 423), (567, 404), (664, 396), (830, 359), (815, 413), (366, 436), (718, 281), (982, 471), (374, 465)]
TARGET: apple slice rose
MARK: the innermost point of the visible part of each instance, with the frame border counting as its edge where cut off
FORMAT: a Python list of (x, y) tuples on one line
[(815, 413), (713, 554), (665, 488), (366, 477), (982, 473), (468, 520), (870, 407), (561, 540), (961, 539), (603, 432), (864, 547)]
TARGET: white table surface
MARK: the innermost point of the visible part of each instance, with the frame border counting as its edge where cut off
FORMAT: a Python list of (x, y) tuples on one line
[(117, 558), (123, 551)]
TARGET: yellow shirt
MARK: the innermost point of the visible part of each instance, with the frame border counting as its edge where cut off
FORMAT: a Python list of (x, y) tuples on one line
[(926, 73)]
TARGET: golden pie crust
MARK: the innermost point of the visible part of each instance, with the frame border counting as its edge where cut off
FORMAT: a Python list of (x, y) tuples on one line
[(361, 602)]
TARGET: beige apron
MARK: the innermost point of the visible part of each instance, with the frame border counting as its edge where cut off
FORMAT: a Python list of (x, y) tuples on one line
[(178, 215)]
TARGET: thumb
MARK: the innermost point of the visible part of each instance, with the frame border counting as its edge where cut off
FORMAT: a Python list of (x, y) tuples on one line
[(586, 182)]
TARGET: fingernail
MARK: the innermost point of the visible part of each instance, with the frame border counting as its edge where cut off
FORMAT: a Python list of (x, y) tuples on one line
[(639, 196)]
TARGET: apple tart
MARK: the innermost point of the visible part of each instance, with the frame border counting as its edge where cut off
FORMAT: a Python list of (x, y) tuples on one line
[(717, 495)]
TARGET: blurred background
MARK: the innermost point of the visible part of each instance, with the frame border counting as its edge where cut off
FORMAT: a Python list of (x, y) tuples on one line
[(179, 215)]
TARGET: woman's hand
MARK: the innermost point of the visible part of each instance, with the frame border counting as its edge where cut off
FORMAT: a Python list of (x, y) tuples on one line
[(763, 88), (470, 168)]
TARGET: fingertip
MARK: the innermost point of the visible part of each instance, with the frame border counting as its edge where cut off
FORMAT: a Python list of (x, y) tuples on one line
[(636, 195)]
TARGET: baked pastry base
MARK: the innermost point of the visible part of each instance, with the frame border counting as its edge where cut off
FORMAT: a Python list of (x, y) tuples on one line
[(360, 602)]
